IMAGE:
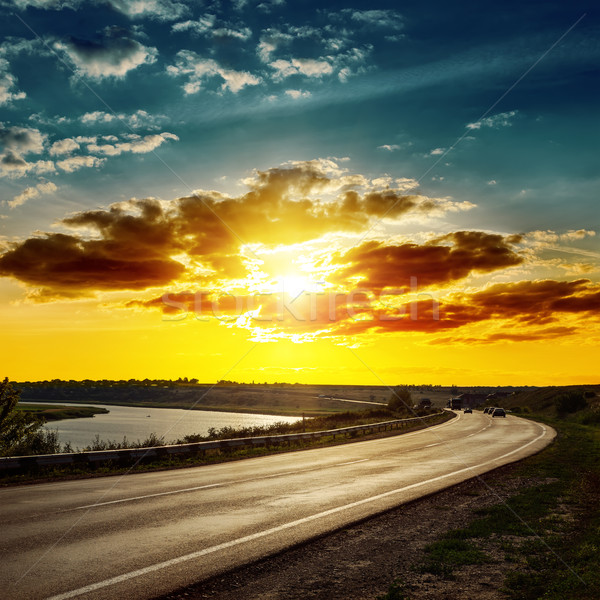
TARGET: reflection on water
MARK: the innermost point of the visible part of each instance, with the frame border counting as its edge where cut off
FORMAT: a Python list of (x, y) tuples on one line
[(138, 423)]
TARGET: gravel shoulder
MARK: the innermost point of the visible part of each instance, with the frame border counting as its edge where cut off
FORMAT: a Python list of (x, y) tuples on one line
[(360, 562)]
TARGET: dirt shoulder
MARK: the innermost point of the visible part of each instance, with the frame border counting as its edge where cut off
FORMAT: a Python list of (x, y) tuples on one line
[(360, 562)]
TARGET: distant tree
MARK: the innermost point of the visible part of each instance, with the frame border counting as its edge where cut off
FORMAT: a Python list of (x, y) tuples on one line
[(17, 428), (400, 400)]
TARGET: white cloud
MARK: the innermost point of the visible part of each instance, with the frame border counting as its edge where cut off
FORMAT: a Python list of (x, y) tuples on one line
[(389, 147), (138, 119), (32, 192), (74, 163), (48, 4), (113, 55), (8, 85), (437, 151), (495, 121), (197, 70), (300, 66), (297, 94), (268, 5), (201, 26), (551, 237), (206, 25), (161, 10), (265, 50), (136, 144), (244, 33), (65, 146), (388, 19)]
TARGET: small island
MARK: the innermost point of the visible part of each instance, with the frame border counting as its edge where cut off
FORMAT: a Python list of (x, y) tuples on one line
[(60, 412)]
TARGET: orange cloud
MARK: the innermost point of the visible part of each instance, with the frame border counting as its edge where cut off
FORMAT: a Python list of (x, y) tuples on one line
[(145, 243)]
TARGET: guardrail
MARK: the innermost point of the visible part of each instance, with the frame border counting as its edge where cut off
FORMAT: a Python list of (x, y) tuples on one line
[(128, 455)]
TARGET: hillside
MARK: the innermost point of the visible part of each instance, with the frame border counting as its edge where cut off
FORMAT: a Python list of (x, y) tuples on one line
[(581, 402)]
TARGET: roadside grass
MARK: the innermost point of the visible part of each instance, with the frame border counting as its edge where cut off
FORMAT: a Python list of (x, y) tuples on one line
[(544, 540), (443, 556), (207, 457), (396, 591)]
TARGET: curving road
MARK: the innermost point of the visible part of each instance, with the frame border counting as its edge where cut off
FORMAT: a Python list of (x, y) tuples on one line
[(139, 536)]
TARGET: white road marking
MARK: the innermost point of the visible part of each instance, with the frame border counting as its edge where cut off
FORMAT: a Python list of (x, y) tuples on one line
[(192, 489), (201, 487), (431, 445), (255, 536), (213, 485)]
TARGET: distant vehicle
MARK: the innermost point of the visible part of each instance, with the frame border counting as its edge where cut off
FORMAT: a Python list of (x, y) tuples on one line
[(468, 410), (499, 412), (488, 410), (455, 403)]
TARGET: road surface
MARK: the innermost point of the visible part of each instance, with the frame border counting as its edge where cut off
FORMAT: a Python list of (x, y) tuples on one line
[(138, 536)]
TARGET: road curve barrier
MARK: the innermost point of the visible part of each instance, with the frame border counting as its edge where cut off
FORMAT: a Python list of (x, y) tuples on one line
[(135, 455)]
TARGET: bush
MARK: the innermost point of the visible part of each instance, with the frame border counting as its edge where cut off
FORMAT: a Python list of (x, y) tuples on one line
[(17, 428), (400, 400), (43, 441), (570, 402)]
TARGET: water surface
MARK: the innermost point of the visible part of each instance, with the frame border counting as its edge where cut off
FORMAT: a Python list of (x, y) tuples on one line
[(137, 423)]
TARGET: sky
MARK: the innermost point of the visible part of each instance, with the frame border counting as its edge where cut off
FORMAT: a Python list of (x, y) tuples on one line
[(264, 190)]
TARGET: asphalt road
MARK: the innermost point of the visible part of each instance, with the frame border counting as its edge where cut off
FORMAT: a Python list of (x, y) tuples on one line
[(138, 536)]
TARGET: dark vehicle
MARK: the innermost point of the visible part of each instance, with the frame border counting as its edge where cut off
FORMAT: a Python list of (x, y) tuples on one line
[(489, 410), (468, 410), (455, 403), (499, 412)]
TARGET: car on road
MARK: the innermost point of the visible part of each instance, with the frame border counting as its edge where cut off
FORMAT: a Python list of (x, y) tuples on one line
[(499, 412), (468, 410)]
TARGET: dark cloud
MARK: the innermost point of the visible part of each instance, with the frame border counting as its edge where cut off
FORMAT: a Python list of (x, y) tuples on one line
[(378, 265), (21, 139), (67, 266), (111, 54)]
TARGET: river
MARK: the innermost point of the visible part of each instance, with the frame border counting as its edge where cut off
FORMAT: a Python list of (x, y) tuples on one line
[(138, 423)]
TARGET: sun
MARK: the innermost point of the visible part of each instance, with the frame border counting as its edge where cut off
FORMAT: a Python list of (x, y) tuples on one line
[(294, 285)]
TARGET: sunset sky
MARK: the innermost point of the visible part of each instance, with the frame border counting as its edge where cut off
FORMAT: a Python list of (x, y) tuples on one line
[(369, 193)]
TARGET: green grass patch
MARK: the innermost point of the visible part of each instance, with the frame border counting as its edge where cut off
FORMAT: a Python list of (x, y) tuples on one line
[(443, 556), (396, 591), (548, 532)]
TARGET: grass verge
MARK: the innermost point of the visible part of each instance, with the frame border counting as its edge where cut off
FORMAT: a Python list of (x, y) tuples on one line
[(543, 540)]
